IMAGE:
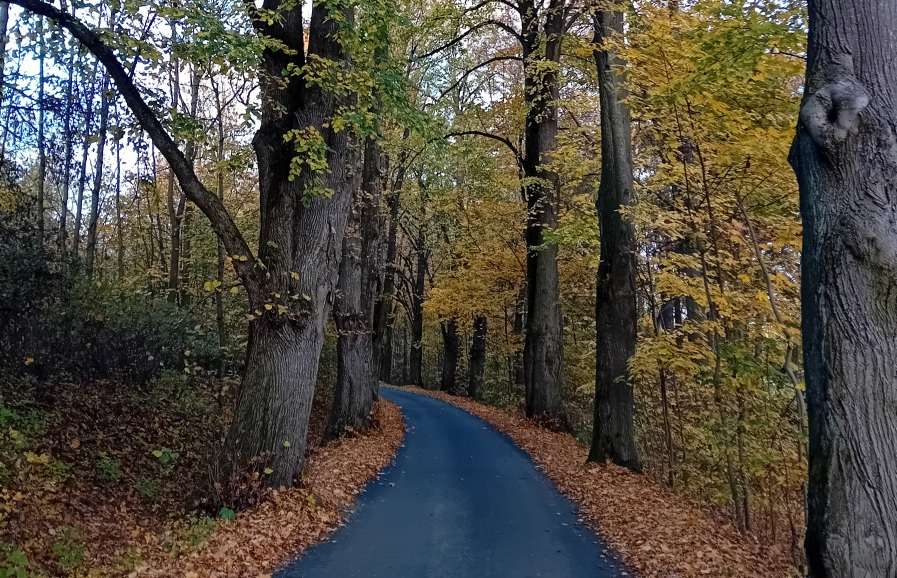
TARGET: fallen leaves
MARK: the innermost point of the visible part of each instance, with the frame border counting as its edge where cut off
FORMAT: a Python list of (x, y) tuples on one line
[(657, 533)]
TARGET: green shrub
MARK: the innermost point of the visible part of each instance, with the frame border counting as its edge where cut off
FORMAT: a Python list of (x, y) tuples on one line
[(148, 489), (108, 468), (69, 550), (13, 562)]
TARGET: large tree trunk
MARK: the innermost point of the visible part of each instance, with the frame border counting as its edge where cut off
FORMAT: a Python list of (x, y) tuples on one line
[(543, 353), (300, 245), (616, 316), (450, 347), (94, 219), (476, 366), (845, 157), (353, 311)]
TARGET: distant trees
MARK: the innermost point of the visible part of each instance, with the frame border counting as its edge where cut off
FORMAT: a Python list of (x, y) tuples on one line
[(845, 160)]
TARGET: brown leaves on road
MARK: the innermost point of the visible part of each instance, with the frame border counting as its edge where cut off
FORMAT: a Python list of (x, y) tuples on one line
[(656, 532)]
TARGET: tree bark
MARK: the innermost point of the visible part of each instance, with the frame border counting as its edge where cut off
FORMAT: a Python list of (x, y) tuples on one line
[(450, 350), (543, 353), (476, 366), (616, 315), (82, 173), (62, 234), (353, 311), (41, 121), (845, 158), (93, 221), (417, 312)]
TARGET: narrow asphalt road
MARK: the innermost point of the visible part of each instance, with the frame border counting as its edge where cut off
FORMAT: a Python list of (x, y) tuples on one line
[(460, 501)]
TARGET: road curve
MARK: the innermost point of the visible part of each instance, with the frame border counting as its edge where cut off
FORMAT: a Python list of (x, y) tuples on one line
[(460, 501)]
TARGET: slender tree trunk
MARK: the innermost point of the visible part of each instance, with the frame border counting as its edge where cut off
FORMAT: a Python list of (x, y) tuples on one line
[(41, 121), (67, 160), (417, 313), (219, 185), (353, 311), (845, 157), (97, 181), (4, 37), (616, 315), (450, 350), (543, 353), (476, 366), (384, 315), (119, 236), (82, 173)]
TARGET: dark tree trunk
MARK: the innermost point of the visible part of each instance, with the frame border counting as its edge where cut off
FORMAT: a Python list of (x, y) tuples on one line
[(616, 315), (94, 219), (450, 347), (543, 354), (416, 354), (384, 315), (82, 173), (353, 311), (41, 145), (845, 157), (67, 155), (476, 366)]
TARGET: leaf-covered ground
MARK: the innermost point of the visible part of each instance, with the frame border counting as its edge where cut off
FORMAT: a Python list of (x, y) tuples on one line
[(107, 480), (657, 533)]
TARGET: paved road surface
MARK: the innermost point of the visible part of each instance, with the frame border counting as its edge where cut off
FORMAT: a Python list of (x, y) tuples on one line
[(461, 501)]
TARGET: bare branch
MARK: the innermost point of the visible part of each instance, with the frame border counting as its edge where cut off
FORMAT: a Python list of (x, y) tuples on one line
[(503, 140), (468, 32)]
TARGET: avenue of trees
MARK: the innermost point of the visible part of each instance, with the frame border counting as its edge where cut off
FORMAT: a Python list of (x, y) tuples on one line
[(581, 210)]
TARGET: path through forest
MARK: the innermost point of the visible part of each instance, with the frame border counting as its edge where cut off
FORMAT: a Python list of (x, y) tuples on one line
[(461, 501)]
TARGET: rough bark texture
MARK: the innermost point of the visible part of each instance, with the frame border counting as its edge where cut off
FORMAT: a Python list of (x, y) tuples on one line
[(300, 245), (543, 354), (616, 316), (450, 346), (353, 310), (476, 366), (845, 157)]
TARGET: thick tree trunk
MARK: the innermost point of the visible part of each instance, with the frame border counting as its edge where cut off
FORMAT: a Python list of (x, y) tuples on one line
[(616, 315), (353, 311), (845, 157), (300, 245), (476, 366), (94, 219), (543, 353), (450, 350)]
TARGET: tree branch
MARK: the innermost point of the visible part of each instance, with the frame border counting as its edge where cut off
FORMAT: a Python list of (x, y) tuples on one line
[(209, 204), (503, 140), (473, 69), (467, 33)]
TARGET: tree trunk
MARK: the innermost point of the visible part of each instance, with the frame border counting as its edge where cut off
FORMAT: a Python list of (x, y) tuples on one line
[(543, 353), (384, 316), (616, 315), (97, 181), (41, 145), (67, 155), (300, 245), (417, 314), (119, 236), (845, 157), (353, 311), (450, 347), (476, 366), (82, 173)]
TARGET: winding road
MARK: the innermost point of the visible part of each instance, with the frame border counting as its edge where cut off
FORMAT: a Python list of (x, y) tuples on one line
[(460, 501)]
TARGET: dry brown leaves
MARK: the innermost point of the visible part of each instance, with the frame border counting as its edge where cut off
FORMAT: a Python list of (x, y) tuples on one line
[(657, 533), (267, 536)]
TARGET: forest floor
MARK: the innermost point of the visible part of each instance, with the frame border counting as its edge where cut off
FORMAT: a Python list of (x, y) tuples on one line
[(109, 480), (657, 533)]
